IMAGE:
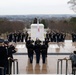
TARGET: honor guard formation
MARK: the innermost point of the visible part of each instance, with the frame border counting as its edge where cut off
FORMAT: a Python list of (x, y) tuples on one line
[(37, 48)]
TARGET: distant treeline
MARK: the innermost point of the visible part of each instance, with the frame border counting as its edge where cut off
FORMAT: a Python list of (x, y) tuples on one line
[(68, 26), (64, 25), (10, 26)]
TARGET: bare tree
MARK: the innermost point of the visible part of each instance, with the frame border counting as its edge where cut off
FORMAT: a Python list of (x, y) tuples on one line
[(73, 5)]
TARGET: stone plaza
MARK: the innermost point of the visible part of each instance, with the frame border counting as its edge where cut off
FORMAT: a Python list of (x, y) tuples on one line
[(56, 51)]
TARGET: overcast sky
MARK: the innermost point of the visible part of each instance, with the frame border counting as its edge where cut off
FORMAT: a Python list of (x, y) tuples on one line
[(24, 7)]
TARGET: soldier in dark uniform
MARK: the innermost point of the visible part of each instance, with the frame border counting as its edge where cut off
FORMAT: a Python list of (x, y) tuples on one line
[(3, 58), (15, 37), (54, 37), (19, 37), (46, 43), (37, 48), (27, 45), (47, 35), (31, 51), (57, 37), (22, 37), (10, 37), (26, 36), (61, 37), (72, 37), (44, 50), (64, 36)]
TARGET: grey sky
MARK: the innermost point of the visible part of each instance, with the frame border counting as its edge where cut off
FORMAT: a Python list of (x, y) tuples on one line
[(23, 7)]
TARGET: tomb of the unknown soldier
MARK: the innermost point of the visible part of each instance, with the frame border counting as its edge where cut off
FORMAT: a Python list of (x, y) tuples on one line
[(37, 31)]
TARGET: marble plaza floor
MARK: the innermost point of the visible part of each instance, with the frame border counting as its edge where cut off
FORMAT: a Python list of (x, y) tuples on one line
[(50, 67)]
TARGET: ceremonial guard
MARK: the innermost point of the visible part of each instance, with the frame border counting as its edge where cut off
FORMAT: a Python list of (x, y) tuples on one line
[(47, 35), (27, 45), (22, 37), (26, 36), (31, 51), (10, 37), (15, 37), (37, 50), (46, 43), (43, 51), (19, 37)]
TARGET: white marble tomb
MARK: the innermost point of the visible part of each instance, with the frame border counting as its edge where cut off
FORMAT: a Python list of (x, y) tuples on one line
[(37, 31)]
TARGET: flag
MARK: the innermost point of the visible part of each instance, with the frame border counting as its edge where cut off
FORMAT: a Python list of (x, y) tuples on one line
[(38, 29)]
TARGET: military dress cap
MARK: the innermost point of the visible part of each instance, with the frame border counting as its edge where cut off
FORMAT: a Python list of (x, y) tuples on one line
[(1, 40)]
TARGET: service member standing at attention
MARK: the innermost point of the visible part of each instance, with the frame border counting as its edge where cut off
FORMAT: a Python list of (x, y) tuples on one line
[(15, 37), (27, 45), (26, 36), (37, 50), (22, 37), (46, 43), (43, 51), (47, 35), (31, 51)]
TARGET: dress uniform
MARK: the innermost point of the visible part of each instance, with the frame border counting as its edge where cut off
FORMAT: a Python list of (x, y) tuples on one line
[(31, 51), (37, 51), (47, 35), (46, 43), (22, 37), (10, 37), (15, 37), (27, 45), (26, 36), (43, 49)]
